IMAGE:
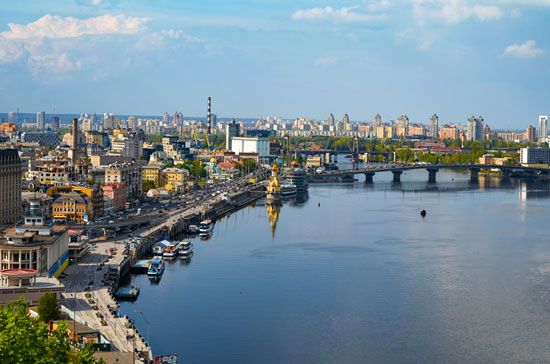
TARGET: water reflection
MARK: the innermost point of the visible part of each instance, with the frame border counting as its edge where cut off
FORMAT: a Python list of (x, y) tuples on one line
[(355, 275), (534, 189), (273, 215)]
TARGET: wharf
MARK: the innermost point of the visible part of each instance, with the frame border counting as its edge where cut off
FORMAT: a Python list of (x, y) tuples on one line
[(90, 284), (140, 266)]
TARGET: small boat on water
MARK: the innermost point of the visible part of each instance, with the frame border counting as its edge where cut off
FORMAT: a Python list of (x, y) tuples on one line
[(206, 227), (185, 249), (288, 190), (158, 248), (127, 293), (193, 229), (156, 268), (171, 250)]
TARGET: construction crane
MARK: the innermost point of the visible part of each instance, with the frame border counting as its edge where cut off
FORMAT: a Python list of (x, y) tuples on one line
[(199, 142)]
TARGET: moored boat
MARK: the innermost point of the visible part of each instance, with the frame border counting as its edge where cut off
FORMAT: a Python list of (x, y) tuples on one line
[(171, 250), (185, 249), (158, 248), (156, 267), (193, 229), (127, 293), (288, 190), (206, 227)]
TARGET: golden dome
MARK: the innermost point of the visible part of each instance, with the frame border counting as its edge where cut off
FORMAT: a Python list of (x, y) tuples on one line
[(213, 160)]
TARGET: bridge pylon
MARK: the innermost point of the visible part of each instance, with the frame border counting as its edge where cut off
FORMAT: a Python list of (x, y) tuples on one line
[(432, 174), (474, 174), (369, 176), (397, 176)]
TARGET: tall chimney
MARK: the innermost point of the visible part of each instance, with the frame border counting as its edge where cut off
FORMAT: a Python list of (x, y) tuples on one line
[(209, 115)]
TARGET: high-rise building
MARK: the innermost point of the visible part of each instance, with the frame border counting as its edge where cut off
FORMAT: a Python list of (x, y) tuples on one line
[(434, 126), (530, 133), (165, 118), (330, 120), (40, 120), (543, 128), (475, 128), (12, 117), (10, 180), (54, 123), (376, 121), (108, 121), (231, 130), (345, 121), (132, 122)]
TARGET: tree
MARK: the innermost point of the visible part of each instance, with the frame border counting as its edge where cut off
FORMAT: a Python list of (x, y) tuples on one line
[(24, 339), (147, 185), (48, 308)]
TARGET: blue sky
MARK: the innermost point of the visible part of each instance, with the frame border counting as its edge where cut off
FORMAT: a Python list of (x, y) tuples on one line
[(280, 57)]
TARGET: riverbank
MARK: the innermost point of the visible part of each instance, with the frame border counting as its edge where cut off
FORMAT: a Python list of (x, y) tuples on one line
[(91, 282)]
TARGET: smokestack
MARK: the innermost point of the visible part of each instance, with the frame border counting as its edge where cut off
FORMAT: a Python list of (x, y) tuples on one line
[(209, 115)]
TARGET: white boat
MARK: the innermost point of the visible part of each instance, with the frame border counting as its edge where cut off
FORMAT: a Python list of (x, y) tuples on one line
[(156, 267), (185, 249), (288, 190), (206, 227), (158, 248), (193, 229), (171, 250)]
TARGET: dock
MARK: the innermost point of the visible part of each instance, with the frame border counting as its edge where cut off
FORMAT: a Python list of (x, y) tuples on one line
[(140, 266)]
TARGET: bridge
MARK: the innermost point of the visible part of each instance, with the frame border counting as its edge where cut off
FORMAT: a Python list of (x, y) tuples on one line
[(397, 171)]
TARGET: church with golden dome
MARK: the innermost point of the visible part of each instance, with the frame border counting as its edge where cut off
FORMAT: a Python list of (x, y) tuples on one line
[(274, 185)]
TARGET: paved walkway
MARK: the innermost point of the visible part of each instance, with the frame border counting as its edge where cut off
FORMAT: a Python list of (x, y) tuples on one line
[(84, 277), (79, 276)]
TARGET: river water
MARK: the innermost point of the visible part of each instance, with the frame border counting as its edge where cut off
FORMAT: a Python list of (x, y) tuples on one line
[(355, 275)]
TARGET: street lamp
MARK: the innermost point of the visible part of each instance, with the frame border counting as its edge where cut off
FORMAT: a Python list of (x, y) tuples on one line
[(148, 326)]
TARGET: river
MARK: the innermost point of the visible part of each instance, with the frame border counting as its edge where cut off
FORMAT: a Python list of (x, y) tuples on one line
[(356, 275)]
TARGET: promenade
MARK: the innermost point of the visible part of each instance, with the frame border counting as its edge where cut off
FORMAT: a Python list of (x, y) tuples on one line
[(87, 294)]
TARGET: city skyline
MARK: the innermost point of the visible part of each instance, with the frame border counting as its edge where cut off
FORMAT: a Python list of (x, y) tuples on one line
[(294, 59)]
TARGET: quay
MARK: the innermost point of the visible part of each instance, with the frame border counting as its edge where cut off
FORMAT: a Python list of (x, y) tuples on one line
[(91, 283)]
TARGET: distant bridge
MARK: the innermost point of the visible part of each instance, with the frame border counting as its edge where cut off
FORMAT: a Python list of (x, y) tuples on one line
[(397, 170)]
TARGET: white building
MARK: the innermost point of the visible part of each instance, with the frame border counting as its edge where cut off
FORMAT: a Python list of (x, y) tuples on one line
[(40, 120), (543, 128), (534, 156), (250, 145)]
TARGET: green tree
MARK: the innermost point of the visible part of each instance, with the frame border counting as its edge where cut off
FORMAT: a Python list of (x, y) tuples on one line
[(24, 339), (147, 185), (48, 308)]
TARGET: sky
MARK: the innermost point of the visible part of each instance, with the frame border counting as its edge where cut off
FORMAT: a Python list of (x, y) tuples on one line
[(288, 58)]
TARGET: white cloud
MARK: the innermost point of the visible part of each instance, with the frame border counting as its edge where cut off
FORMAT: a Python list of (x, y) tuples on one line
[(454, 11), (52, 43), (526, 50), (58, 63), (344, 14), (53, 26), (177, 34)]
